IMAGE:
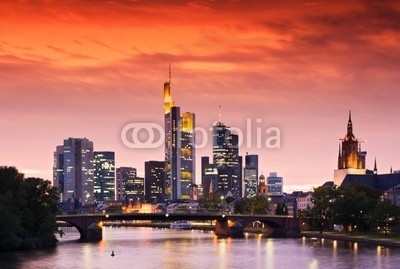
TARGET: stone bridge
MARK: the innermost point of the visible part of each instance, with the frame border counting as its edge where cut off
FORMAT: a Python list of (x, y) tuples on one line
[(227, 225)]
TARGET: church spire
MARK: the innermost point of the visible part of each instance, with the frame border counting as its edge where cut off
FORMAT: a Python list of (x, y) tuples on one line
[(391, 170), (349, 126), (375, 168)]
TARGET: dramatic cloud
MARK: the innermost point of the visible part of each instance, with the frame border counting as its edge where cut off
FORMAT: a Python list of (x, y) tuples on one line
[(86, 68)]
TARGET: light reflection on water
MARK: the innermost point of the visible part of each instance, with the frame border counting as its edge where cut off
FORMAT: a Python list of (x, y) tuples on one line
[(163, 248)]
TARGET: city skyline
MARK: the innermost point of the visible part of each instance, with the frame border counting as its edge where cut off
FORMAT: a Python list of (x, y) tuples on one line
[(296, 66)]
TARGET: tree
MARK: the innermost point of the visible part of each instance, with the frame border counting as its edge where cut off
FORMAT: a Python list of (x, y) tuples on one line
[(27, 208), (385, 215), (352, 206), (11, 203), (320, 215), (254, 205), (281, 209)]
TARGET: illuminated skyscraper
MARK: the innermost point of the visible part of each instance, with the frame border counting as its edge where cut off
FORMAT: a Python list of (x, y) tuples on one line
[(104, 176), (226, 158), (179, 148), (134, 189), (154, 178), (123, 175), (274, 184), (187, 154), (73, 170), (209, 176), (250, 176)]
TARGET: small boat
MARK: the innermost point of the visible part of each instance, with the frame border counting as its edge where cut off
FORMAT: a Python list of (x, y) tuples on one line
[(181, 225)]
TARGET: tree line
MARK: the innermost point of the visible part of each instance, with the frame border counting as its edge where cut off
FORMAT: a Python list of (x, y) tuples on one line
[(28, 208), (354, 207)]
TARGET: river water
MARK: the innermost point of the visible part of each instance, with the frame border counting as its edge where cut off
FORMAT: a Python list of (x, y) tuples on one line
[(168, 249)]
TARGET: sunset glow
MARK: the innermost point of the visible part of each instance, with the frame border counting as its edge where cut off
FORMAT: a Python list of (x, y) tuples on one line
[(87, 68)]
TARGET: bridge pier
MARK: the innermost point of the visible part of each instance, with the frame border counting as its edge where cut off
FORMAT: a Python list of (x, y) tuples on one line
[(89, 227), (94, 233), (229, 228)]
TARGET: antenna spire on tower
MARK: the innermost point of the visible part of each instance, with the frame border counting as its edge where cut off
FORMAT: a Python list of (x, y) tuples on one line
[(170, 73), (219, 113)]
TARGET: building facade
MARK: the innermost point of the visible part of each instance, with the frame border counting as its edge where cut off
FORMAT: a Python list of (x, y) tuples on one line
[(250, 176), (351, 159), (73, 170), (226, 158), (179, 148), (209, 176), (104, 176), (123, 175), (154, 179), (274, 184)]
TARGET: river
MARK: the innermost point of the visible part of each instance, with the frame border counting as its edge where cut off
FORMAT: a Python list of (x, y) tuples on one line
[(144, 248)]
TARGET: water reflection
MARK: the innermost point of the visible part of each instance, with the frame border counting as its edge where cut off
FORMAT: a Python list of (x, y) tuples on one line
[(162, 248)]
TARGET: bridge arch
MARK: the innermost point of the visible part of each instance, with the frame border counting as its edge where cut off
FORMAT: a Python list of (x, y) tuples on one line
[(89, 227)]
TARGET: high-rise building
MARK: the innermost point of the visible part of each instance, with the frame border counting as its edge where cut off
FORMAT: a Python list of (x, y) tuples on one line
[(226, 158), (209, 176), (134, 189), (187, 154), (274, 184), (73, 170), (104, 176), (351, 159), (179, 148), (154, 179), (123, 175), (250, 176)]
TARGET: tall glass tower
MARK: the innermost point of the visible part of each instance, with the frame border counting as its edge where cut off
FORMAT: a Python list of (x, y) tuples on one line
[(250, 176), (73, 170), (104, 176), (226, 158), (179, 148)]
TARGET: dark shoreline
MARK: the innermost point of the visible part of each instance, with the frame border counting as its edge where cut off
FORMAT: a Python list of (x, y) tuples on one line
[(386, 242)]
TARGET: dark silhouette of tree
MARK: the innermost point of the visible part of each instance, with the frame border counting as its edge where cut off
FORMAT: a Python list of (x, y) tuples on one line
[(27, 208)]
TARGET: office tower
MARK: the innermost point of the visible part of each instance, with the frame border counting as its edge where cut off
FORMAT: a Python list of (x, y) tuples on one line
[(250, 176), (73, 170), (179, 148), (226, 158), (154, 179), (104, 176), (209, 176), (123, 175), (274, 184), (351, 159), (187, 154), (172, 138), (134, 189)]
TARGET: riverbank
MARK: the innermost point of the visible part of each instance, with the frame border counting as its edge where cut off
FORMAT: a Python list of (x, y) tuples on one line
[(365, 239)]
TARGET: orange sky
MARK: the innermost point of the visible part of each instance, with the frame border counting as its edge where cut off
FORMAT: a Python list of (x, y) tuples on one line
[(87, 68)]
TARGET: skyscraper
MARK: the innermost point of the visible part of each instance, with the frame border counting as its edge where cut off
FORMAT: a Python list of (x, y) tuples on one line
[(134, 189), (104, 176), (154, 179), (226, 158), (179, 148), (123, 175), (274, 184), (209, 176), (73, 170), (250, 176), (187, 154)]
